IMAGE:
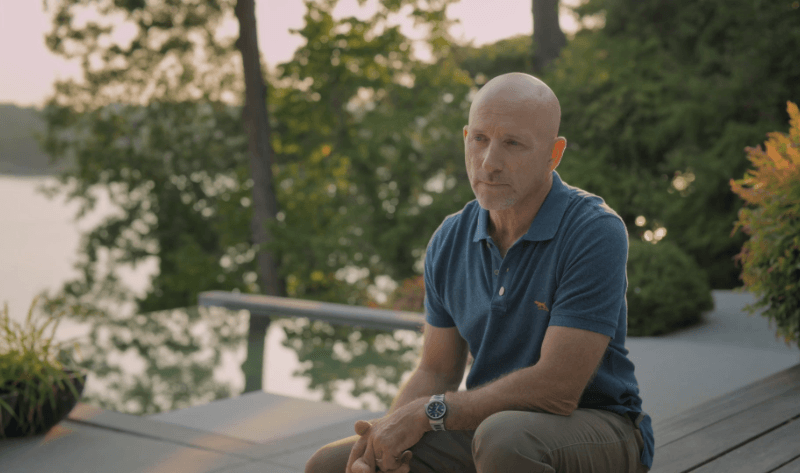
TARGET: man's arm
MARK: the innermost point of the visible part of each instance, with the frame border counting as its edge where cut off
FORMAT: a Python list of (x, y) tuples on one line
[(441, 367), (554, 384)]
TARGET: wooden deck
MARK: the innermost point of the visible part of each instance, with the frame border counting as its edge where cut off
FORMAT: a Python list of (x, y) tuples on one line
[(255, 432), (755, 429)]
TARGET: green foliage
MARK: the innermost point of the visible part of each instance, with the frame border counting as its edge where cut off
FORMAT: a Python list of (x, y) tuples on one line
[(32, 364), (362, 128), (176, 173), (658, 103), (369, 158), (149, 126), (770, 258), (368, 154), (667, 290), (491, 60)]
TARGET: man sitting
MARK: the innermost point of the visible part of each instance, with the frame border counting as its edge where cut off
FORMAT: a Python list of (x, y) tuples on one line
[(530, 279)]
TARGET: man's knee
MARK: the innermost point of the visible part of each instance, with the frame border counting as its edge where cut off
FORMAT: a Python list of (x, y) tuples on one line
[(496, 443), (331, 458), (317, 463)]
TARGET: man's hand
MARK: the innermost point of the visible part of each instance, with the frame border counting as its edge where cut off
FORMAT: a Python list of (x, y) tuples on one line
[(362, 458), (384, 443)]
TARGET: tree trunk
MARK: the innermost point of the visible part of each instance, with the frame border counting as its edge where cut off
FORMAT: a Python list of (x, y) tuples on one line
[(548, 39), (264, 203)]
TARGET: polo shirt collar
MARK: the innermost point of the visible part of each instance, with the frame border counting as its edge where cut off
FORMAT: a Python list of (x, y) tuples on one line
[(547, 220)]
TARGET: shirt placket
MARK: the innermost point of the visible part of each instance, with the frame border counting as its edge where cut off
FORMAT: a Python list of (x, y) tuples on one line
[(499, 278)]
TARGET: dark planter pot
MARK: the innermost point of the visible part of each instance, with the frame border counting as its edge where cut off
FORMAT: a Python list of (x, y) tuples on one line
[(44, 416)]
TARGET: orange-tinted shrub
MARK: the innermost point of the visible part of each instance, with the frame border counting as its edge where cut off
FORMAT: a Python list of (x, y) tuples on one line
[(770, 259)]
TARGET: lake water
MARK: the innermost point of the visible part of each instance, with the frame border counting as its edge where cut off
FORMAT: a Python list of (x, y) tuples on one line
[(38, 247)]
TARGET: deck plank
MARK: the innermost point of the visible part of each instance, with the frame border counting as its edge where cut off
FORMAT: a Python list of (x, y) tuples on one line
[(264, 418), (715, 410), (72, 447), (791, 467), (764, 454), (720, 437)]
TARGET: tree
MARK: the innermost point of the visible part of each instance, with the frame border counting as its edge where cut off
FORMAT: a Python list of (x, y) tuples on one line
[(370, 161), (548, 39), (491, 60), (154, 125), (367, 163), (264, 204), (660, 101), (361, 128), (259, 148)]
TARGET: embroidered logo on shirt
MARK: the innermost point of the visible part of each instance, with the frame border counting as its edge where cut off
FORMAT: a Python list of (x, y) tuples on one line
[(541, 306)]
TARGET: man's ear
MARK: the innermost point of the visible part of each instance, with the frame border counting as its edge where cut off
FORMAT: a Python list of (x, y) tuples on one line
[(558, 151), (465, 132)]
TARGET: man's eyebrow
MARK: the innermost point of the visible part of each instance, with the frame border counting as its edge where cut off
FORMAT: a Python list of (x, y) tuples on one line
[(479, 131)]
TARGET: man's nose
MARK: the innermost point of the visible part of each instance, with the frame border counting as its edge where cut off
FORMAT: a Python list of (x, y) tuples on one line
[(492, 159)]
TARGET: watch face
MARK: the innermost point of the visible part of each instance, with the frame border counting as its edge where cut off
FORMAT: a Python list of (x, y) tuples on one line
[(436, 410)]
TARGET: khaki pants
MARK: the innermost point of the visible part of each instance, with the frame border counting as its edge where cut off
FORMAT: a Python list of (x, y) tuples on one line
[(590, 440)]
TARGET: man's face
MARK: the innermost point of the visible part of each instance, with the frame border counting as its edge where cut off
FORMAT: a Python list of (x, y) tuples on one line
[(506, 157)]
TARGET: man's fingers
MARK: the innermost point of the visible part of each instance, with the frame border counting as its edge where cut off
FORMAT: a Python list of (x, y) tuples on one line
[(391, 463), (362, 427), (356, 452), (405, 463), (369, 458), (360, 466)]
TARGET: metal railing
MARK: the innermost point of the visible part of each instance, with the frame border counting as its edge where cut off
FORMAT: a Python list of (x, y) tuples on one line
[(262, 308)]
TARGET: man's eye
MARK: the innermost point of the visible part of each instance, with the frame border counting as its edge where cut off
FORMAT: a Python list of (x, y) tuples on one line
[(478, 138), (512, 142)]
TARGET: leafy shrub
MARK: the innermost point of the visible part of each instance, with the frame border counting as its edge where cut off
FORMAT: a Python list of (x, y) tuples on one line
[(667, 290), (770, 259)]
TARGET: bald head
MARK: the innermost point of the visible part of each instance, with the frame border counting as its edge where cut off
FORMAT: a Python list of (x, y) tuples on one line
[(523, 92)]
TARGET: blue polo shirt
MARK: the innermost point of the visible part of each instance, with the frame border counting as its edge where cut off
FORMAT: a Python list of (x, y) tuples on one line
[(567, 270)]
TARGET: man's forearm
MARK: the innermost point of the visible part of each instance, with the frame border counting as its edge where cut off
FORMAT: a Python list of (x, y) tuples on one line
[(521, 390), (422, 384)]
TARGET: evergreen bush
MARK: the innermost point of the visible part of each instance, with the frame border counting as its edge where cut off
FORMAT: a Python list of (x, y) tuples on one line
[(770, 259), (667, 290)]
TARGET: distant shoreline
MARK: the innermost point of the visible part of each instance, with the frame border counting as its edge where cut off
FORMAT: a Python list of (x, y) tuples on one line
[(29, 174)]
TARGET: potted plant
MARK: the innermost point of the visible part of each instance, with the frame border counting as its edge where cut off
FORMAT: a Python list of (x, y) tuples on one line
[(39, 381)]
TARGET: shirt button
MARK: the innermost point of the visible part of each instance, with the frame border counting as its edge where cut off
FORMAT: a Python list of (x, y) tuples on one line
[(496, 272), (502, 291), (507, 269)]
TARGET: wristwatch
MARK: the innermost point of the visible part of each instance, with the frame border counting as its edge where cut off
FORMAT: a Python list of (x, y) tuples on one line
[(436, 409)]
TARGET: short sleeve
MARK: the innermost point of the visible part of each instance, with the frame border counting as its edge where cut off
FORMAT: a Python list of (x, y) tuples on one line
[(592, 284), (435, 312)]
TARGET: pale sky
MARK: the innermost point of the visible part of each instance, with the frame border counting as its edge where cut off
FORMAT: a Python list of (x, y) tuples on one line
[(28, 69)]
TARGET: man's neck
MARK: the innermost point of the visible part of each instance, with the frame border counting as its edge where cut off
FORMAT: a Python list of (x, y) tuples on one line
[(509, 225)]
